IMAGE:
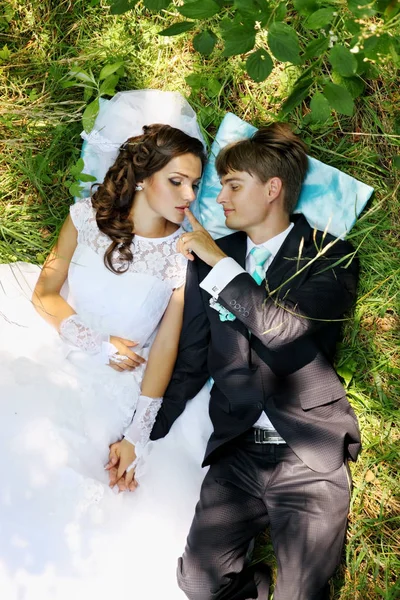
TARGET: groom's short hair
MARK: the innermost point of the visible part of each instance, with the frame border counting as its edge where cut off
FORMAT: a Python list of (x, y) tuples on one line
[(272, 151)]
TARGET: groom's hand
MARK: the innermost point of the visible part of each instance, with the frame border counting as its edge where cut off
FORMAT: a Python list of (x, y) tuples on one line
[(121, 456), (199, 242)]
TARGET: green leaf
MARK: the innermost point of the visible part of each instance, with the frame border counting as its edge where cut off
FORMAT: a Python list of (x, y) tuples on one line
[(84, 177), (283, 43), (355, 85), (157, 5), (108, 70), (196, 81), (87, 93), (346, 374), (69, 84), (392, 10), (254, 10), (75, 189), (118, 7), (178, 28), (305, 7), (90, 114), (208, 116), (320, 109), (377, 46), (361, 65), (77, 168), (81, 75), (107, 87), (200, 9), (280, 12), (352, 26), (299, 93), (213, 86), (5, 53), (316, 48), (204, 42), (342, 60), (259, 65), (396, 162), (238, 40), (339, 99), (361, 8), (319, 18)]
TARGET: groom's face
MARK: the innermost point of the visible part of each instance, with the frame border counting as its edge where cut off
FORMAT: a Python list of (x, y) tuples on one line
[(244, 199)]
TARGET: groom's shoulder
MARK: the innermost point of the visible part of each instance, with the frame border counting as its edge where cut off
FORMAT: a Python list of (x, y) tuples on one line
[(230, 240), (316, 238)]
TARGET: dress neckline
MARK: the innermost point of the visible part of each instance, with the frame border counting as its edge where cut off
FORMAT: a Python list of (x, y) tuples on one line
[(160, 239)]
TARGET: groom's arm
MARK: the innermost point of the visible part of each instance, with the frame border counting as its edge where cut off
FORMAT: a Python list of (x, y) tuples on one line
[(190, 372), (327, 291)]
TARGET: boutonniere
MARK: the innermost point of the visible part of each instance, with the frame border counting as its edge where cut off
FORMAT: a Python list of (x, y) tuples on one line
[(224, 314)]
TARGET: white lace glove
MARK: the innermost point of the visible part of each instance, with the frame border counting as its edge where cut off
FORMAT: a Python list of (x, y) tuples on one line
[(138, 432), (74, 331)]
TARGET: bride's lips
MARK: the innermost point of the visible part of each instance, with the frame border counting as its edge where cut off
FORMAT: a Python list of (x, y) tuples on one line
[(181, 209)]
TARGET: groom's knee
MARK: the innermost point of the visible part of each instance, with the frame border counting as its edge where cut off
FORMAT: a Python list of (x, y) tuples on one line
[(195, 581)]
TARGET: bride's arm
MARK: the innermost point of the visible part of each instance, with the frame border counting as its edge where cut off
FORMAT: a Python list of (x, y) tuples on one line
[(46, 296), (164, 350), (158, 373), (52, 307)]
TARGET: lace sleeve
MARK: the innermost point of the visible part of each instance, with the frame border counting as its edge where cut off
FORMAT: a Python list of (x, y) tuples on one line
[(138, 432), (80, 213), (75, 332)]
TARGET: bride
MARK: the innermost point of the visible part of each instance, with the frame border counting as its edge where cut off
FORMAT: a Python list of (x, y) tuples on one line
[(96, 346)]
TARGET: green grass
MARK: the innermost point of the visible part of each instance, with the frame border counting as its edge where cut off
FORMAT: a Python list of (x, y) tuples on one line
[(39, 143)]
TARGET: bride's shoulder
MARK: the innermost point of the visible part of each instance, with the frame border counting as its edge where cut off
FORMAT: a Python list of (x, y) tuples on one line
[(82, 213)]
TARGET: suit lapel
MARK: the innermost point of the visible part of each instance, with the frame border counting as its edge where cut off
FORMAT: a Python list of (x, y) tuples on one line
[(235, 246), (286, 260)]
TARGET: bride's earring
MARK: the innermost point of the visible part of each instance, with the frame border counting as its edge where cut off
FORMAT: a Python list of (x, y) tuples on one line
[(138, 188)]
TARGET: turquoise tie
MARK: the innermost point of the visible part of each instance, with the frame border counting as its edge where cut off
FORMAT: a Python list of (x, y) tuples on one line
[(260, 255)]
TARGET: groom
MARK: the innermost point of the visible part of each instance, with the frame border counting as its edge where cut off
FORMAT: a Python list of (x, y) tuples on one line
[(263, 312)]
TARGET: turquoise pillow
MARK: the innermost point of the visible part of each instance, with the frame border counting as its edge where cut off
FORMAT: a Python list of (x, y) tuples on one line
[(329, 198)]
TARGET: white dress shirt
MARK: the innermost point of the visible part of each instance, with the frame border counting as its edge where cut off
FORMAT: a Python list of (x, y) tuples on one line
[(227, 269)]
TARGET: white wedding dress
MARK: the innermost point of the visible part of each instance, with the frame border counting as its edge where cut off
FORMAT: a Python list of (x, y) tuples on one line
[(64, 534)]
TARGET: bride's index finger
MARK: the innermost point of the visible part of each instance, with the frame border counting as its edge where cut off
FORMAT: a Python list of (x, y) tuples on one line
[(193, 221)]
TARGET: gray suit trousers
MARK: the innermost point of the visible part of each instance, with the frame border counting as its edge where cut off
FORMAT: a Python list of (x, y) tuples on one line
[(253, 486)]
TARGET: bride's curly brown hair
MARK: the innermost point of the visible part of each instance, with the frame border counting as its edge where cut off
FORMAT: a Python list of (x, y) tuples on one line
[(138, 159)]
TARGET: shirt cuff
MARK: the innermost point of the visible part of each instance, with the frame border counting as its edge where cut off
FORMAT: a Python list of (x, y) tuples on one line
[(218, 278)]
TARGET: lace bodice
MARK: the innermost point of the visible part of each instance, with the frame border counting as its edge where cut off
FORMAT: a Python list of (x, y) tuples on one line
[(130, 304), (154, 256)]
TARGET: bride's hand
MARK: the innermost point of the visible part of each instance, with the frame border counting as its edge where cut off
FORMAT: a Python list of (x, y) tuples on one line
[(131, 360), (122, 454)]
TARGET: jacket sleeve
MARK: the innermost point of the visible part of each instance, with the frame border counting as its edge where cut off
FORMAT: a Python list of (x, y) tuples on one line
[(327, 290), (190, 371)]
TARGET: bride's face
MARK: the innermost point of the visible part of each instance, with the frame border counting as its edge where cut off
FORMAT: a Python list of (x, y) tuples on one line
[(172, 189)]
